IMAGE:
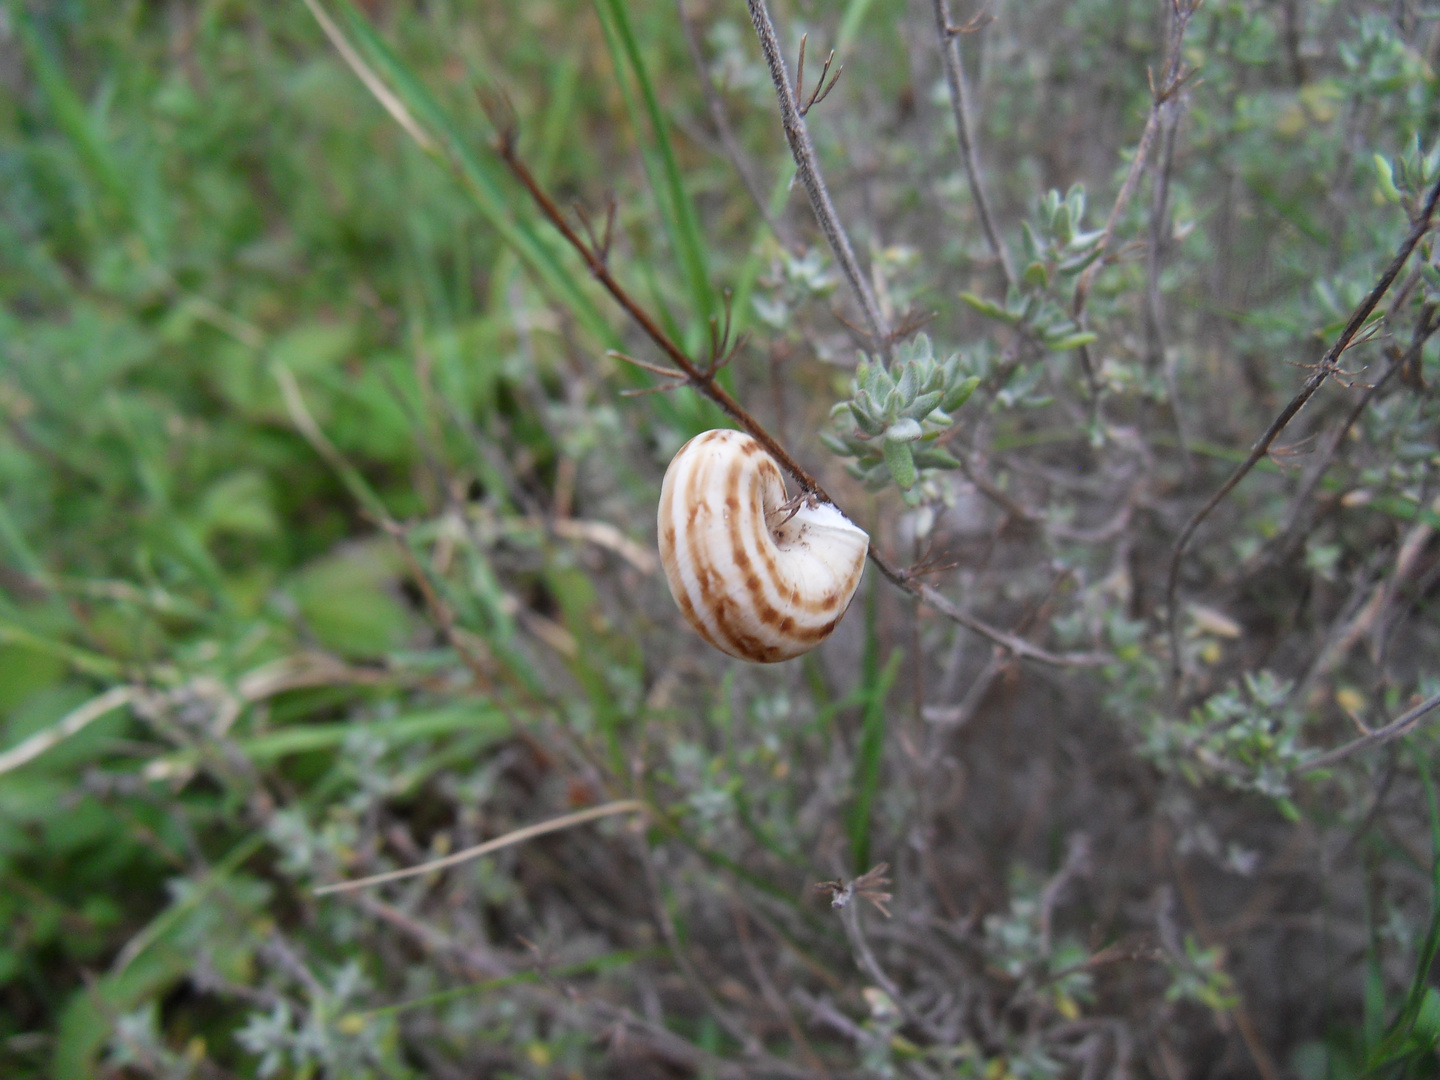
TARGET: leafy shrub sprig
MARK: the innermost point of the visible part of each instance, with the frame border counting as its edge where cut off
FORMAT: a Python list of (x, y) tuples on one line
[(893, 419)]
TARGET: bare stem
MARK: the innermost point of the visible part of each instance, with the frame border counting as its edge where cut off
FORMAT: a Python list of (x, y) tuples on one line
[(1402, 725), (1173, 79), (969, 155), (1290, 536), (808, 166)]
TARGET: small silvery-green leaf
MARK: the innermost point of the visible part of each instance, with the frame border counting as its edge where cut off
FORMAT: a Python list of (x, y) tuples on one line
[(1386, 176), (918, 350), (901, 463), (1077, 263), (920, 408), (903, 430), (1036, 275), (907, 385), (1033, 250), (881, 383), (1063, 227), (870, 422), (932, 457), (960, 394), (835, 444)]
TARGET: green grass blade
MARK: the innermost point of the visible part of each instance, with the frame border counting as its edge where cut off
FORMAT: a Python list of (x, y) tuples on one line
[(69, 111), (1397, 1038), (849, 27), (399, 730), (871, 748), (682, 222)]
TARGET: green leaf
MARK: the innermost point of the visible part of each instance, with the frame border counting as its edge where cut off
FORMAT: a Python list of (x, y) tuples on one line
[(682, 223), (935, 458), (903, 430), (989, 308), (901, 463), (1386, 175), (960, 394), (1071, 341)]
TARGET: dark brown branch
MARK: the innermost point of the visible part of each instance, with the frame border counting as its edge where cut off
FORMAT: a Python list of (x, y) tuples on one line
[(1323, 370)]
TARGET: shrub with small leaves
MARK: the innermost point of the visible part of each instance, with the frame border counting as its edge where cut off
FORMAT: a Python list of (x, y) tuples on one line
[(1246, 740), (894, 417)]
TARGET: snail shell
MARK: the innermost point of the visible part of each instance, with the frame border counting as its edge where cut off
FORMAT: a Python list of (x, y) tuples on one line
[(758, 578)]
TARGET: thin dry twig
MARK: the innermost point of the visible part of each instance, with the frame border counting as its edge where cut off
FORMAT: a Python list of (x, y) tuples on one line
[(517, 836), (792, 119), (964, 130), (1174, 78), (695, 375), (1397, 728), (1323, 370), (1290, 536)]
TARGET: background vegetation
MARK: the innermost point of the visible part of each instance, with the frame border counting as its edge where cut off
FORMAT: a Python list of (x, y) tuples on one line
[(326, 545)]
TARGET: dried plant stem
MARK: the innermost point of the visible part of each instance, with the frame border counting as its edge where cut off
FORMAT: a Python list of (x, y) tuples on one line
[(1175, 76), (529, 832), (964, 130), (865, 960), (382, 93), (70, 724), (1323, 370), (808, 166)]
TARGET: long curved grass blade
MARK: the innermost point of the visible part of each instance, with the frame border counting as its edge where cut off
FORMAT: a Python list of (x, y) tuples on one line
[(480, 178), (682, 222)]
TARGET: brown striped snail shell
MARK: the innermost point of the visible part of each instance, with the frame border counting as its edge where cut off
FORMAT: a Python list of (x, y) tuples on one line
[(760, 578)]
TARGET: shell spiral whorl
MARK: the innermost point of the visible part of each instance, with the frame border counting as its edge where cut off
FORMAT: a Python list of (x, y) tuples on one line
[(757, 579)]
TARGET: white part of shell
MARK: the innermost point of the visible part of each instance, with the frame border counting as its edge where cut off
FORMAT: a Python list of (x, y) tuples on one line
[(757, 581)]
